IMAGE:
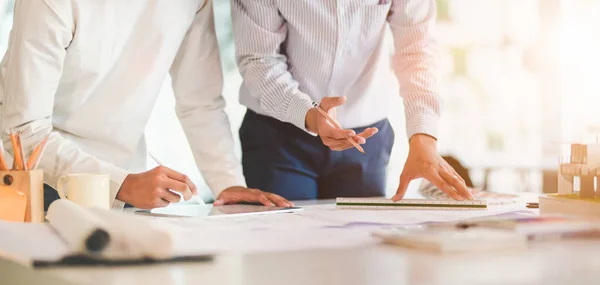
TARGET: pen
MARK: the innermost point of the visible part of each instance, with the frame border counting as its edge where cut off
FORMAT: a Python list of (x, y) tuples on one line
[(3, 165), (155, 159), (335, 124), (15, 145), (21, 153), (195, 197), (37, 153)]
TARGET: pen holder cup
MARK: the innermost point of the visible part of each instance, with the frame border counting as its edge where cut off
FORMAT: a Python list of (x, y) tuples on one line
[(22, 196)]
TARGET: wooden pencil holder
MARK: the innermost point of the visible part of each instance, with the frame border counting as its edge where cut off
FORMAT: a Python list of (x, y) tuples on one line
[(22, 196)]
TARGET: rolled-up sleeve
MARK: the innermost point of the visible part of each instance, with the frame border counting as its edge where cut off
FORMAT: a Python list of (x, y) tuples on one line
[(198, 83), (259, 30), (415, 63)]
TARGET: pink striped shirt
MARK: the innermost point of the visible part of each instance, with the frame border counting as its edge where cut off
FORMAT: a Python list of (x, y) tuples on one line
[(293, 52)]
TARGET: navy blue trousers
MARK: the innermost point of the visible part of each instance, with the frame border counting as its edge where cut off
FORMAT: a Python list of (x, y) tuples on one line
[(278, 157), (50, 195)]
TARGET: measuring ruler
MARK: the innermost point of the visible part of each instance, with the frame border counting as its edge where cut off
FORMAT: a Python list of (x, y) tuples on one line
[(421, 204)]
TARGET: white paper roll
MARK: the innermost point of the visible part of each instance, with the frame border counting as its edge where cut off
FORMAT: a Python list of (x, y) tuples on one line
[(143, 238), (82, 230)]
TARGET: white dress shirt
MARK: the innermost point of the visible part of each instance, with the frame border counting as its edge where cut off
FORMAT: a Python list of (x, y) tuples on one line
[(291, 53), (89, 72)]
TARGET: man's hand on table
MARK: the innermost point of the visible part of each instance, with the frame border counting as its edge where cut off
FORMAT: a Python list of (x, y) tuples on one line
[(150, 189), (239, 194), (424, 162)]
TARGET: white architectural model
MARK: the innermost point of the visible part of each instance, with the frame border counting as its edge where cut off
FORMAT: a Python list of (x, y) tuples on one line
[(583, 165)]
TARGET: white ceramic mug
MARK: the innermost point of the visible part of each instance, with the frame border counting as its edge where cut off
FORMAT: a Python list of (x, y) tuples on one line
[(86, 190)]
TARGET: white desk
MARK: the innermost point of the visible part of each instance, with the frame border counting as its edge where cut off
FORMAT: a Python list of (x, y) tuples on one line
[(568, 262)]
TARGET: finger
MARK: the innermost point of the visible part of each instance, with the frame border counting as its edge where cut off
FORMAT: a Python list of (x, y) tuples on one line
[(278, 200), (368, 133), (250, 196), (441, 184), (170, 196), (332, 102), (341, 146), (335, 133), (225, 200), (453, 172), (359, 139), (160, 203), (261, 198), (181, 178), (404, 182), (337, 144), (177, 186), (457, 183)]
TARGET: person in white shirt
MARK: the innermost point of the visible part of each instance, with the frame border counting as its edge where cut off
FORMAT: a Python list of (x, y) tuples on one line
[(294, 53), (87, 73)]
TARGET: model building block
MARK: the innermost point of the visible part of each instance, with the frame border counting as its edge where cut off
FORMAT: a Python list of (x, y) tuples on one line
[(581, 172)]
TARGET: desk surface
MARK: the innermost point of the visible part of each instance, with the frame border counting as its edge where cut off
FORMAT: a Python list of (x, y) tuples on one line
[(567, 262)]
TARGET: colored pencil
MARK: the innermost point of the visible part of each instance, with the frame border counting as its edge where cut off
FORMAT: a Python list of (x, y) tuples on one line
[(21, 153), (17, 163), (3, 165), (37, 153)]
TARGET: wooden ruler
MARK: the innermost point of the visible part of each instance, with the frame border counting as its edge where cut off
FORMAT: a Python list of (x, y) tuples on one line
[(421, 204)]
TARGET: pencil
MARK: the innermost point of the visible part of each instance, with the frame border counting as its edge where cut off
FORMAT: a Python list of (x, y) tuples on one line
[(15, 145), (3, 165), (37, 163), (195, 197), (155, 159), (21, 153), (36, 155), (335, 124)]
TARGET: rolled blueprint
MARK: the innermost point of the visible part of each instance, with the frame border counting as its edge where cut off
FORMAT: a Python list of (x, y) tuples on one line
[(143, 238), (83, 231)]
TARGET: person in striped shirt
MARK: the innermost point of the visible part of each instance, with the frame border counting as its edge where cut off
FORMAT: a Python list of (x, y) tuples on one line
[(293, 53)]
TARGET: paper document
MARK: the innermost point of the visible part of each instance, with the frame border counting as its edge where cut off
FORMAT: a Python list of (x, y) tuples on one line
[(71, 231), (274, 240), (317, 227), (454, 240), (24, 242)]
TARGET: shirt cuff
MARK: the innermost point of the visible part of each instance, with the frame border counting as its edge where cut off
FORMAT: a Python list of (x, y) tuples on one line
[(117, 176), (297, 109), (422, 124)]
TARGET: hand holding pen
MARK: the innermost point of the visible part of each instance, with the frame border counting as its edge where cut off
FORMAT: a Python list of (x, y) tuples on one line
[(321, 120)]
